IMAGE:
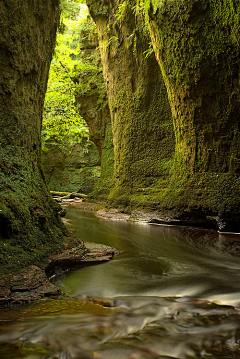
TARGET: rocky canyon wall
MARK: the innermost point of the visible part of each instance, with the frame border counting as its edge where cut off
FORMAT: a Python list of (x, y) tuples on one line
[(140, 113), (30, 227), (77, 170), (92, 103), (197, 46), (175, 113)]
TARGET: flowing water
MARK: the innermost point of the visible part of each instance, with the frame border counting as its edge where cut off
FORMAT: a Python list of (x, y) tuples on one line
[(174, 292)]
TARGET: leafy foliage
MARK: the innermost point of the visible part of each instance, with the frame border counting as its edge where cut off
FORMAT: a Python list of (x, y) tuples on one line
[(62, 124), (141, 7)]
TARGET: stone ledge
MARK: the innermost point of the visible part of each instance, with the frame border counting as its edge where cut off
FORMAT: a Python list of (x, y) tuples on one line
[(34, 283)]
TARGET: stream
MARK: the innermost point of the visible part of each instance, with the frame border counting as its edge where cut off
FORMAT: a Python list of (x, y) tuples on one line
[(174, 292)]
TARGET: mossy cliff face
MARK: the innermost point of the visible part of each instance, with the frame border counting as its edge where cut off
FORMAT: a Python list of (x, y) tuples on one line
[(196, 44), (141, 119), (30, 226), (197, 47), (91, 99), (74, 170)]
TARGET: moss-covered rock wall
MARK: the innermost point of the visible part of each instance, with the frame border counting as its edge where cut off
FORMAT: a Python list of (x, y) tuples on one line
[(197, 47), (140, 113), (193, 173), (30, 227), (92, 102), (77, 170)]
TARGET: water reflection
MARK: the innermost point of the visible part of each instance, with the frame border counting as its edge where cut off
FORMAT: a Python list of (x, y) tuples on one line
[(142, 304), (157, 260)]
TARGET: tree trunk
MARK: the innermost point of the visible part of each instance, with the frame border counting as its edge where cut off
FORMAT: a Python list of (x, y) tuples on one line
[(30, 226)]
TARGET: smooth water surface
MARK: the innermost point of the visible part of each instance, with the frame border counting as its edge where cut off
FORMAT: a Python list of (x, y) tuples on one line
[(174, 292)]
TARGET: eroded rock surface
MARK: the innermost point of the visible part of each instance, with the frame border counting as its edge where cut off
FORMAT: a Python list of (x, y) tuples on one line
[(77, 170), (32, 283)]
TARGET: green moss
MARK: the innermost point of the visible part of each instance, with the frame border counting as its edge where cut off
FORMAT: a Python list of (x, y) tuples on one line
[(92, 101), (30, 227), (76, 171), (102, 189), (189, 159), (141, 119), (197, 47)]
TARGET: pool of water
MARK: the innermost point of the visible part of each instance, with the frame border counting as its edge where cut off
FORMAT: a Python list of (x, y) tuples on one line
[(174, 292)]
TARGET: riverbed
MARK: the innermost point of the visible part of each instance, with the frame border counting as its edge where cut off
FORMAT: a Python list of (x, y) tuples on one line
[(174, 292)]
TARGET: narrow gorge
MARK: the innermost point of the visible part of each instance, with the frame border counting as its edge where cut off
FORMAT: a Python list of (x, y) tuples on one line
[(166, 122), (172, 75)]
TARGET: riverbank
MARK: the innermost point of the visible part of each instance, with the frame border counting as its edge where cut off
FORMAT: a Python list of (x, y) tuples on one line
[(192, 218), (141, 216), (167, 278), (33, 283)]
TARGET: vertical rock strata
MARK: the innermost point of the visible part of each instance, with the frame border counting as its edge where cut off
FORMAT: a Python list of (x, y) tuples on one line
[(197, 46), (140, 113), (30, 226)]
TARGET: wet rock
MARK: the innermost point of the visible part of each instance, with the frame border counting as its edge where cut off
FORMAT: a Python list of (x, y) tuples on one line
[(227, 223), (33, 282), (30, 284), (192, 218), (77, 195), (63, 212), (4, 293), (82, 255), (191, 222), (112, 213)]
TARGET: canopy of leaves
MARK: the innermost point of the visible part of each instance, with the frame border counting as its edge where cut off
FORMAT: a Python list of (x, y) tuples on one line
[(62, 123)]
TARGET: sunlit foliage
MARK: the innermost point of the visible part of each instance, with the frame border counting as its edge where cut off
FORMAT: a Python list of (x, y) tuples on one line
[(62, 123)]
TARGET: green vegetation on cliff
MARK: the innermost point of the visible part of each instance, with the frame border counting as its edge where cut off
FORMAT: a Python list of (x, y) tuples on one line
[(140, 114), (74, 171), (30, 226), (196, 44), (70, 159), (195, 171), (92, 103)]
